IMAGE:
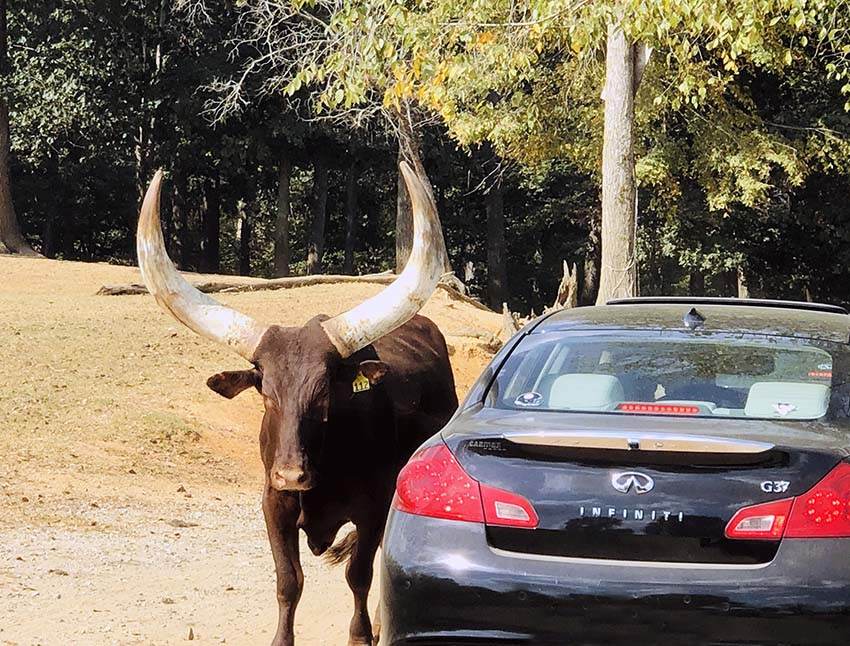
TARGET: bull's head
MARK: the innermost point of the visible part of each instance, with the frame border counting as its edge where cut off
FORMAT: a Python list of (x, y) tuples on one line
[(297, 369)]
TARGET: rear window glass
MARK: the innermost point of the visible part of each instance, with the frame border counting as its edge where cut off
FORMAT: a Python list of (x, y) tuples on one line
[(670, 373)]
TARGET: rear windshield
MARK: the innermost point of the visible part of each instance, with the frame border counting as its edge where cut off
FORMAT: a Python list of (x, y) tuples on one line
[(672, 373)]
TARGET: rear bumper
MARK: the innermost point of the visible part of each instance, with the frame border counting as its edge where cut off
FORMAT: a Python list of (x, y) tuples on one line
[(442, 584)]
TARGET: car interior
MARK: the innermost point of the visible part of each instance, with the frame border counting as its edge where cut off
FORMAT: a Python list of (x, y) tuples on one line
[(704, 379)]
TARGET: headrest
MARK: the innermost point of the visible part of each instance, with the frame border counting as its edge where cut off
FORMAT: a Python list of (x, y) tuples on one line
[(787, 400), (586, 392)]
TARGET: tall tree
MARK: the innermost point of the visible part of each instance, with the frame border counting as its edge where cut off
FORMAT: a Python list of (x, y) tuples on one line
[(350, 216), (408, 123), (244, 233), (527, 78), (11, 238), (403, 219), (282, 252), (211, 223), (497, 270), (618, 277), (316, 248)]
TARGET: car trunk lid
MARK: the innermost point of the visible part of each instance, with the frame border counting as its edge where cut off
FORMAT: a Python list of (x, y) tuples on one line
[(639, 495)]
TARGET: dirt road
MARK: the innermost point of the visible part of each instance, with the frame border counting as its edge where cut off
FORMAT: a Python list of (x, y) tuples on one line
[(129, 493)]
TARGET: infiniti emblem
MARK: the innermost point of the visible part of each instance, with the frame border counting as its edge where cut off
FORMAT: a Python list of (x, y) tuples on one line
[(625, 482)]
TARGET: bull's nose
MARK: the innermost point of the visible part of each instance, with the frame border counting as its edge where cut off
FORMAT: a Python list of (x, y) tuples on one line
[(291, 480)]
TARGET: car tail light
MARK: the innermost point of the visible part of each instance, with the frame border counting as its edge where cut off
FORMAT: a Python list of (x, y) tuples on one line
[(434, 484), (761, 522), (658, 409), (507, 509), (823, 512)]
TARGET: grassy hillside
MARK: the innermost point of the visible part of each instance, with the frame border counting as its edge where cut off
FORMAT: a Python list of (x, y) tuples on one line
[(129, 492)]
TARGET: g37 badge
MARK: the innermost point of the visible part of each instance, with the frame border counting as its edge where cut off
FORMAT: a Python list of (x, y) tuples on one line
[(775, 486)]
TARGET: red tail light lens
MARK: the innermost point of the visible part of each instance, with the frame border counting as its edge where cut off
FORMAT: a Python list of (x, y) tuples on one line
[(434, 484), (507, 509), (760, 522), (823, 512)]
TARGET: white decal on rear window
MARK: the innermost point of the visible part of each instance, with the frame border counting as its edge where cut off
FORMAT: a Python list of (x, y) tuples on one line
[(530, 399), (783, 409)]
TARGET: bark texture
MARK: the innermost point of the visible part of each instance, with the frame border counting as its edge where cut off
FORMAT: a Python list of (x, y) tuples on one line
[(497, 271), (403, 221), (184, 232), (281, 227), (567, 296), (11, 238), (316, 247), (696, 283), (409, 150), (592, 261), (618, 275), (743, 288), (351, 218), (244, 233), (212, 227)]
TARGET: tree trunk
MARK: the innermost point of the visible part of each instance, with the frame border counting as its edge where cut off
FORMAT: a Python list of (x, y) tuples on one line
[(48, 236), (181, 204), (11, 238), (320, 203), (696, 283), (590, 279), (497, 272), (410, 150), (743, 289), (350, 217), (403, 221), (211, 258), (618, 276), (567, 296), (50, 201), (281, 225), (243, 231)]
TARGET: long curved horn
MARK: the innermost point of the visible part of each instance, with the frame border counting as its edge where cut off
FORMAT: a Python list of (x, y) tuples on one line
[(401, 300), (193, 308)]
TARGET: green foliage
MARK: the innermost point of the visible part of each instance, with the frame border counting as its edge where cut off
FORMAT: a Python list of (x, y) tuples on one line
[(742, 129), (527, 78)]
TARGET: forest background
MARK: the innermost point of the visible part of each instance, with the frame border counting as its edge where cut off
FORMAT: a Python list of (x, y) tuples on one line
[(705, 146)]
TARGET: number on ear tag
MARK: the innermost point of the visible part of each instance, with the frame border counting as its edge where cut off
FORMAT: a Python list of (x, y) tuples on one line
[(360, 383)]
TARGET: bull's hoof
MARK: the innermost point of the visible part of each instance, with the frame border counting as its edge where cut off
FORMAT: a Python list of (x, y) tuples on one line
[(360, 642)]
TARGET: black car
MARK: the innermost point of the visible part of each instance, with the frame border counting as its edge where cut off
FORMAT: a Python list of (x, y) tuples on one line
[(654, 471)]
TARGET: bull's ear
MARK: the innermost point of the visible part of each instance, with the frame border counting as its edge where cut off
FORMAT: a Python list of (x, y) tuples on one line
[(374, 371), (229, 384)]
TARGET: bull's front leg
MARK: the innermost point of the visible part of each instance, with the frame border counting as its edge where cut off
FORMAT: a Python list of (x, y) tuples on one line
[(358, 573), (281, 510)]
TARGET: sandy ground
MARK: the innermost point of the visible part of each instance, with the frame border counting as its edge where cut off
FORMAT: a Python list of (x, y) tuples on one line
[(129, 492)]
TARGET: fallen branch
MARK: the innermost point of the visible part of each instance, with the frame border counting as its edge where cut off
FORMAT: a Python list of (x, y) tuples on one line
[(458, 296), (447, 284), (213, 287)]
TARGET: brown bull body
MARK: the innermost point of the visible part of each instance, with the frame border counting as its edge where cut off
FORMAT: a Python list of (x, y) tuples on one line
[(345, 445), (347, 400)]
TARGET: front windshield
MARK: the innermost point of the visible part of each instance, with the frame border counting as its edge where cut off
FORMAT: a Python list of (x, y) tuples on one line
[(671, 373)]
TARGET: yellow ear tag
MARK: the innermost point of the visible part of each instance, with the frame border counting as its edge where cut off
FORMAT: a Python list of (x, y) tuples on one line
[(360, 383)]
